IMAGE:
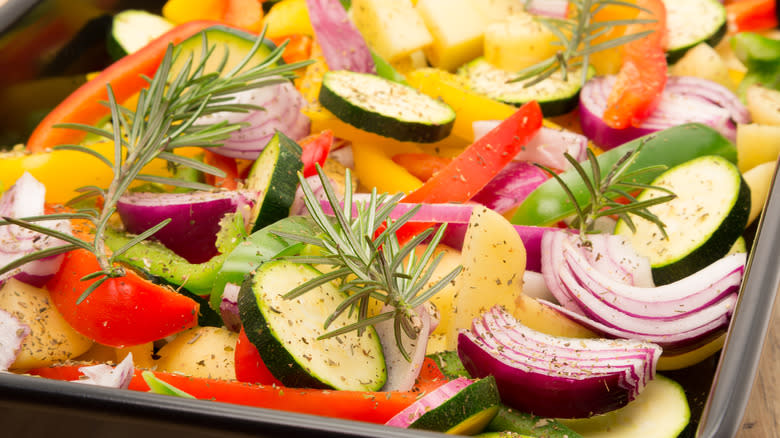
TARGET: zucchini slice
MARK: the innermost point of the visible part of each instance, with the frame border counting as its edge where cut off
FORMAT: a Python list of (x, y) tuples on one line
[(274, 176), (133, 29), (660, 411), (690, 22), (465, 413), (286, 332), (512, 421), (702, 223), (554, 95), (384, 107)]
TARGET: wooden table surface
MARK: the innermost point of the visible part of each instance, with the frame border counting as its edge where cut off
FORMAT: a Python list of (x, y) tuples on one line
[(762, 416)]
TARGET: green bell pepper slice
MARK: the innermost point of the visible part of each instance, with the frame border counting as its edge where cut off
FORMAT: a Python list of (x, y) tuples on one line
[(549, 203)]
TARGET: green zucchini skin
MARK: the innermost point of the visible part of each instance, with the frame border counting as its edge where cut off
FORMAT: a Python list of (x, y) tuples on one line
[(286, 332), (450, 365), (479, 398), (512, 421), (548, 203), (274, 176), (131, 29), (712, 33), (554, 95), (698, 245), (361, 100)]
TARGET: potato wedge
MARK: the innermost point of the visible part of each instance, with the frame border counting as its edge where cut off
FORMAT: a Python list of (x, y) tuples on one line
[(206, 352)]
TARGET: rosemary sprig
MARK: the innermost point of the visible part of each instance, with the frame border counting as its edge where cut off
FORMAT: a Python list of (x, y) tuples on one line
[(368, 261), (576, 36), (164, 119), (604, 189)]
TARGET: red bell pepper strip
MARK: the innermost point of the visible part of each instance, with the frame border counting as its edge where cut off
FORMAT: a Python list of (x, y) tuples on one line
[(479, 163), (225, 164), (298, 47), (374, 407), (642, 76), (123, 311), (751, 15), (249, 364), (470, 171), (125, 77), (316, 148), (421, 165)]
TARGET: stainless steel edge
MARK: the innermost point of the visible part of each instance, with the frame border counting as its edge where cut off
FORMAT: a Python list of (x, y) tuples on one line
[(739, 361)]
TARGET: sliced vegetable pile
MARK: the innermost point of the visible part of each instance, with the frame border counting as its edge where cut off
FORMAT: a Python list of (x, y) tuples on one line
[(497, 218)]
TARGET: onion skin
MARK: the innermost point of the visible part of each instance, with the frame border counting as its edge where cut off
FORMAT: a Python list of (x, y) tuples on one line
[(554, 376), (195, 217), (684, 100), (342, 44), (510, 186), (12, 335)]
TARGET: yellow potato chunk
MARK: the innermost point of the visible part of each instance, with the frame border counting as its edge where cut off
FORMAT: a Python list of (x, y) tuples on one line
[(457, 28), (206, 352), (757, 144), (51, 338), (393, 28), (518, 42)]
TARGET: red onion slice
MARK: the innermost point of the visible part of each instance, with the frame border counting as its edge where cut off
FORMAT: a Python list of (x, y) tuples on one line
[(548, 8), (342, 44), (434, 399), (675, 315), (554, 376), (12, 335), (546, 147), (195, 218), (510, 186), (281, 111), (684, 99), (26, 199), (402, 373), (228, 307), (108, 376)]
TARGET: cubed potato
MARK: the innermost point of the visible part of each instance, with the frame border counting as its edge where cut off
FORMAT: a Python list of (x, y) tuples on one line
[(51, 338), (757, 144), (493, 266), (518, 42), (703, 61), (457, 28), (497, 10), (206, 352), (541, 318), (764, 105), (393, 28), (759, 179)]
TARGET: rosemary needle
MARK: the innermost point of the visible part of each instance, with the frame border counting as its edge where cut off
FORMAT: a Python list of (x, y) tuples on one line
[(163, 120)]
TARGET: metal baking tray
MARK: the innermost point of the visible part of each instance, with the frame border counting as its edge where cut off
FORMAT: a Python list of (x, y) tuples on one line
[(718, 389)]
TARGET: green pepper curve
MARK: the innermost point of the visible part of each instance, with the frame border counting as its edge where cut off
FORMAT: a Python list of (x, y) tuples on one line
[(549, 204)]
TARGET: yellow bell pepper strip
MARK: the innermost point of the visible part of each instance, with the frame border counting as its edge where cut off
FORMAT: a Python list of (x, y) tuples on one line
[(63, 171), (288, 17), (125, 77), (684, 360), (182, 11), (375, 168), (607, 62)]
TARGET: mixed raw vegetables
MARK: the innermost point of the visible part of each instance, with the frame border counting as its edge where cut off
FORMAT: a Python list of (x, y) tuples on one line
[(501, 218)]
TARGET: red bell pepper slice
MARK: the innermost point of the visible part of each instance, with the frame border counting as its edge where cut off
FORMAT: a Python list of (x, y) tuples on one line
[(298, 47), (751, 15), (315, 148), (470, 171), (642, 76), (125, 77), (123, 311), (421, 165), (225, 164), (249, 364), (373, 407)]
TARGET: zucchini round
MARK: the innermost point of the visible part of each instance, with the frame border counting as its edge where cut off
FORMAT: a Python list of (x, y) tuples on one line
[(690, 22), (465, 413), (384, 107), (555, 96), (274, 176), (708, 215), (660, 411), (287, 332), (133, 29)]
